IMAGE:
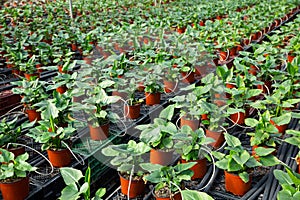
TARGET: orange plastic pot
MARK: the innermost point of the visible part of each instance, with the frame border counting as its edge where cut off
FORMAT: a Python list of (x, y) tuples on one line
[(170, 86), (281, 128), (16, 190), (217, 136), (137, 187), (223, 55), (181, 30), (253, 70), (132, 112), (62, 89), (29, 76), (193, 123), (33, 115), (99, 133), (59, 158), (290, 58), (188, 77), (161, 157), (238, 118), (152, 98), (199, 169), (235, 185)]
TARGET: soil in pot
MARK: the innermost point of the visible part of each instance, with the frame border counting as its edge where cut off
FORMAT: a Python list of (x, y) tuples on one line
[(218, 136), (152, 98), (132, 112), (193, 123), (199, 169), (15, 190), (161, 157), (33, 115), (238, 118), (59, 158), (165, 194), (235, 185), (137, 185), (99, 133)]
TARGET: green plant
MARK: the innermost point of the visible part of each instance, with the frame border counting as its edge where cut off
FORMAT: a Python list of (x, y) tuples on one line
[(13, 168), (152, 83), (159, 135), (130, 89), (290, 183), (238, 160), (189, 143), (265, 133), (60, 79), (74, 189), (10, 130), (32, 91), (128, 156), (29, 67), (168, 177), (294, 139)]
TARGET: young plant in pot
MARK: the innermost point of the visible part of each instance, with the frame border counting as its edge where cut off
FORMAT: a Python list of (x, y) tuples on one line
[(169, 181), (63, 82), (265, 134), (75, 189), (14, 179), (238, 163), (128, 159), (159, 136), (132, 108), (29, 68), (189, 144), (55, 139), (10, 130), (187, 70), (153, 89), (170, 76), (32, 92), (96, 108)]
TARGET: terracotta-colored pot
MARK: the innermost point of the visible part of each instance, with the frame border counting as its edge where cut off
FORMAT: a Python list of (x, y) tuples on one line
[(266, 88), (290, 58), (137, 187), (152, 98), (59, 158), (60, 69), (235, 185), (99, 133), (176, 196), (202, 23), (217, 136), (17, 190), (238, 118), (193, 123), (161, 157), (188, 77), (199, 168), (17, 150), (223, 56), (33, 115), (204, 117), (233, 51), (253, 70), (62, 89), (34, 75), (181, 30), (281, 129), (132, 112), (170, 86), (73, 47), (38, 67)]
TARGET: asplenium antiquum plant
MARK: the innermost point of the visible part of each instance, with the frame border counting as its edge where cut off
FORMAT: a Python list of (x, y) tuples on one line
[(239, 161), (290, 183), (12, 167), (75, 189)]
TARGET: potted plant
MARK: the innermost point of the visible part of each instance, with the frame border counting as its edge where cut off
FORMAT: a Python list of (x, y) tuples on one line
[(32, 92), (95, 106), (168, 179), (14, 180), (63, 82), (237, 164), (128, 159), (189, 144), (171, 79), (75, 189), (29, 68), (132, 108), (153, 89), (158, 136), (54, 137), (10, 130)]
